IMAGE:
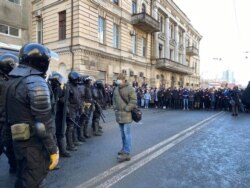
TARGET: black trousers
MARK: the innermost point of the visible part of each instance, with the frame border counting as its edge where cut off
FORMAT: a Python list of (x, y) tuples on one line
[(32, 163)]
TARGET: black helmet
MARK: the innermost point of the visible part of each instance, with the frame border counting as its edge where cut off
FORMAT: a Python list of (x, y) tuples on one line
[(87, 79), (56, 78), (74, 77), (99, 84), (8, 62), (35, 55)]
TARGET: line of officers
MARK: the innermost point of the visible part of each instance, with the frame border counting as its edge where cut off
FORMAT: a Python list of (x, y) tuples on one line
[(41, 120)]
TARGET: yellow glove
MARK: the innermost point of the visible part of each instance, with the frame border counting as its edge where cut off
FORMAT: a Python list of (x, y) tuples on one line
[(54, 159)]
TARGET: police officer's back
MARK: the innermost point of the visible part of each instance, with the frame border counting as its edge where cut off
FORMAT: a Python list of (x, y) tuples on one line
[(30, 118)]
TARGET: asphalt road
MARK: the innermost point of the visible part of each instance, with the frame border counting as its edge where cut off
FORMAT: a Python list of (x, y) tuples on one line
[(170, 149)]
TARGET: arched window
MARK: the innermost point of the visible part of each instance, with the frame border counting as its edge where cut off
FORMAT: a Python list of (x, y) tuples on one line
[(143, 8)]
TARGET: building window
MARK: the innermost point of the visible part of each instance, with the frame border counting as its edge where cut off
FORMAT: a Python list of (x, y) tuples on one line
[(160, 50), (62, 25), (101, 29), (116, 2), (171, 33), (16, 1), (161, 24), (180, 58), (143, 8), (134, 6), (180, 37), (187, 42), (134, 44), (39, 35), (171, 54), (115, 35), (11, 31), (144, 47)]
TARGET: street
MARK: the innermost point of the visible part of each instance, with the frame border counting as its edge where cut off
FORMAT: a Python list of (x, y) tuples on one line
[(170, 148)]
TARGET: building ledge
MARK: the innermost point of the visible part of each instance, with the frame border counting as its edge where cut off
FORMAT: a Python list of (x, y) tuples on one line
[(170, 65)]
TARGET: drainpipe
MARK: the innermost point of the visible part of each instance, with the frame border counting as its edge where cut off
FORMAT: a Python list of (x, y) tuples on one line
[(71, 37)]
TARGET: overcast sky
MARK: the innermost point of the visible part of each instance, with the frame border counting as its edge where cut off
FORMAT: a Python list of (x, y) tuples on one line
[(225, 27)]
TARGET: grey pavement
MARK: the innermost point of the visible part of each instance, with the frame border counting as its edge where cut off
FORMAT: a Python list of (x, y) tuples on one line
[(215, 156)]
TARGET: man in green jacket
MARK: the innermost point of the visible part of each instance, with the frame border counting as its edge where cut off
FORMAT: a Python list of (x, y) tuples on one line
[(124, 100)]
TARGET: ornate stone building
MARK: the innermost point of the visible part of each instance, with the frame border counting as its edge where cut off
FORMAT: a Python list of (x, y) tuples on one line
[(175, 61), (105, 37)]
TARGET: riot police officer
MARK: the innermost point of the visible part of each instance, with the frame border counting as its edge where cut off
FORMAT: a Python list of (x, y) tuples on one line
[(81, 88), (7, 63), (99, 102), (88, 103), (28, 110), (73, 110), (56, 81)]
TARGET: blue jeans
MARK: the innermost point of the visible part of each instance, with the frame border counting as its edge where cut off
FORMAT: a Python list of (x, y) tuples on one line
[(185, 104), (126, 137)]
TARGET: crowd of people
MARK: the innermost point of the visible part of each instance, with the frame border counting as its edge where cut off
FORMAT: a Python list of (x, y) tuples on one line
[(189, 99)]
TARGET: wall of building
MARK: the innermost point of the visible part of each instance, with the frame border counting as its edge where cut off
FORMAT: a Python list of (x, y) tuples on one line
[(17, 16)]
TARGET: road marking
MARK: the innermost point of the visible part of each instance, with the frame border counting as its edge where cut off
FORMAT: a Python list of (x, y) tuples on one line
[(168, 143)]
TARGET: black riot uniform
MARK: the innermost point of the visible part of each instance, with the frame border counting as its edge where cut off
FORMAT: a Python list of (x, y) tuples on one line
[(55, 82), (88, 103), (81, 88), (7, 63), (73, 110), (99, 102), (29, 110)]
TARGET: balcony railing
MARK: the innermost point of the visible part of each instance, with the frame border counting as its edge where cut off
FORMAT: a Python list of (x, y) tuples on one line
[(145, 22), (170, 65), (191, 50)]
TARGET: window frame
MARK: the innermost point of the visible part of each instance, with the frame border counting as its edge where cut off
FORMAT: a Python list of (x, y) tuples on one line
[(10, 35), (62, 34), (144, 47), (39, 30), (101, 37), (116, 36), (134, 44), (134, 8)]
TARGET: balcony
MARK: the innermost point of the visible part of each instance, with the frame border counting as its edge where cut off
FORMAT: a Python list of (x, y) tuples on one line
[(192, 51), (170, 65), (145, 22)]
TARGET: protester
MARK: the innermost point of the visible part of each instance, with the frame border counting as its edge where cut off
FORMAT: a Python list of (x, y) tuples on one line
[(124, 100)]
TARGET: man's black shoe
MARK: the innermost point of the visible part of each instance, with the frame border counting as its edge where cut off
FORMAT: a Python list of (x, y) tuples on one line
[(65, 154)]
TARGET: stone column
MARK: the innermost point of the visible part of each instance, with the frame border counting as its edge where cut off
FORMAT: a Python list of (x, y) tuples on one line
[(156, 39), (184, 48), (166, 54), (176, 49)]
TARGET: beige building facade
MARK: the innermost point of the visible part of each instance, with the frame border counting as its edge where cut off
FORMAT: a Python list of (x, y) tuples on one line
[(105, 37), (15, 19)]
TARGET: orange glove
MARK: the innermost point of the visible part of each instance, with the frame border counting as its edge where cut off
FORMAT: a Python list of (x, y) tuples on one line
[(54, 159)]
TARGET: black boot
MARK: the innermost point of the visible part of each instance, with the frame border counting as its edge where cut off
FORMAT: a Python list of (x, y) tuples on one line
[(70, 144), (85, 132), (81, 135), (62, 148), (75, 138)]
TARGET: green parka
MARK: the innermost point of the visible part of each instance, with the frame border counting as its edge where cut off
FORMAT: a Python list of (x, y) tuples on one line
[(122, 109)]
